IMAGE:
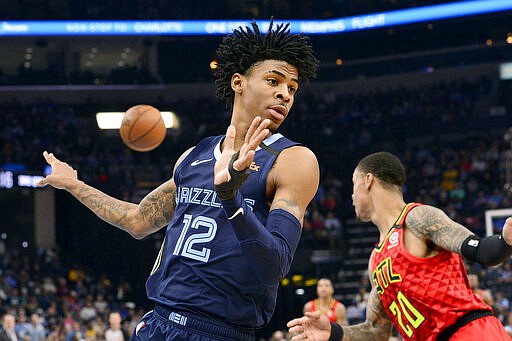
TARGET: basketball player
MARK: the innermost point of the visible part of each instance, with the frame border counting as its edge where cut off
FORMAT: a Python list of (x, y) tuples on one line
[(326, 303), (419, 283), (235, 204)]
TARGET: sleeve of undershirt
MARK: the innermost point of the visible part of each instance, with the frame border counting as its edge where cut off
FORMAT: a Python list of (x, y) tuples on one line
[(269, 248)]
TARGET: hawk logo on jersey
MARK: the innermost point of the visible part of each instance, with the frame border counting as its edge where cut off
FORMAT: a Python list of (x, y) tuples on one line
[(393, 240)]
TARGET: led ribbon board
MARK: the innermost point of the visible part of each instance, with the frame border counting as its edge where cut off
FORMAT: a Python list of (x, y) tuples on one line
[(222, 27)]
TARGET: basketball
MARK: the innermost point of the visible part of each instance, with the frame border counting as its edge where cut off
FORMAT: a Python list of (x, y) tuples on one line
[(142, 128)]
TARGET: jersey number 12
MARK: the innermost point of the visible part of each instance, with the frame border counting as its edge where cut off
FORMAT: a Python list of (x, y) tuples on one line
[(189, 247)]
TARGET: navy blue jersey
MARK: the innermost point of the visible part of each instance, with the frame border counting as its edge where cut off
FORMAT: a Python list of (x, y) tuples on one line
[(200, 267)]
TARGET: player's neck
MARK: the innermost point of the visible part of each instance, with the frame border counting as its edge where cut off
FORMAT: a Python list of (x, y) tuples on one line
[(387, 208), (325, 302)]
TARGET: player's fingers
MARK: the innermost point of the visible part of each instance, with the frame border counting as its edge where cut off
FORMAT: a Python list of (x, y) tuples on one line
[(252, 128), (42, 182), (258, 139), (313, 314), (50, 158), (299, 336), (244, 160), (257, 136), (292, 323), (295, 330), (229, 141)]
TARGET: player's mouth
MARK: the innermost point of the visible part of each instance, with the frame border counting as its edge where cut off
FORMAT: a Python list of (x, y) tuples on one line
[(278, 112)]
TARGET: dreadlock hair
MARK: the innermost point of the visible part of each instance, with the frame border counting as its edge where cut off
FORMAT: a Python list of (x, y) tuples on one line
[(385, 166), (240, 50)]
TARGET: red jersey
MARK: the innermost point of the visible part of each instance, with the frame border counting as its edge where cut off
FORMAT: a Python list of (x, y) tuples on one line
[(422, 296), (330, 313)]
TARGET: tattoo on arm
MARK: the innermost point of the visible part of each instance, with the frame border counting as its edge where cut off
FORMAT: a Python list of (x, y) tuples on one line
[(289, 205), (109, 209), (377, 326), (431, 223), (158, 206)]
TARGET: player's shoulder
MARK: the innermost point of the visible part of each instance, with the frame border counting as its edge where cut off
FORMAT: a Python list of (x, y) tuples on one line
[(206, 143), (308, 305), (423, 214), (298, 163), (299, 153), (183, 157)]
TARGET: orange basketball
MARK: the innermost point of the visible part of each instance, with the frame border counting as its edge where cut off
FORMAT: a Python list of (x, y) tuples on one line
[(142, 128)]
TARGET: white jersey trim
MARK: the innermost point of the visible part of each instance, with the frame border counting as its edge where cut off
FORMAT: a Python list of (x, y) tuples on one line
[(268, 141)]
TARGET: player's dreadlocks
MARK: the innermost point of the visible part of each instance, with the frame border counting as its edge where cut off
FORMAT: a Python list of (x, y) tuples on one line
[(242, 49)]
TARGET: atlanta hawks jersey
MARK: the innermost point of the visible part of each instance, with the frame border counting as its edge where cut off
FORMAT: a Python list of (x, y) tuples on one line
[(330, 313), (200, 267), (422, 296)]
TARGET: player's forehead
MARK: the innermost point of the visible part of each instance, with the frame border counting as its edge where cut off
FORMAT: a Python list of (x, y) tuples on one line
[(275, 66), (324, 282), (355, 175)]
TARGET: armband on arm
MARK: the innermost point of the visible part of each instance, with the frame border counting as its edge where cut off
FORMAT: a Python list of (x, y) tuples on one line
[(336, 332), (490, 250)]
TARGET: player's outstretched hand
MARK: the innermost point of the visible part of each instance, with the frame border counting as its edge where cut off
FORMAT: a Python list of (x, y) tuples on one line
[(257, 132), (507, 231), (62, 174), (314, 326)]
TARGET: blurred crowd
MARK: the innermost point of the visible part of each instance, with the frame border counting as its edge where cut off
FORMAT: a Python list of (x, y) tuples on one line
[(41, 299), (449, 139)]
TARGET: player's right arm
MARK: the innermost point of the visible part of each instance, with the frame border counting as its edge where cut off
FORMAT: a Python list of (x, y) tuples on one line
[(431, 223), (376, 327), (154, 211)]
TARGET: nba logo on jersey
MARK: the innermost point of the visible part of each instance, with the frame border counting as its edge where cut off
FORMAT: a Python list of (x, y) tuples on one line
[(393, 240)]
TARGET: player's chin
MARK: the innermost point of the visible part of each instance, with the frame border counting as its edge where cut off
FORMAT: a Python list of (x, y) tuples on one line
[(360, 217), (274, 125)]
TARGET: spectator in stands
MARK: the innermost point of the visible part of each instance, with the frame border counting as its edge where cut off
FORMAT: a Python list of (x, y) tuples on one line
[(326, 303), (279, 335), (508, 324), (334, 229), (35, 329), (22, 325), (484, 294), (114, 332), (7, 330)]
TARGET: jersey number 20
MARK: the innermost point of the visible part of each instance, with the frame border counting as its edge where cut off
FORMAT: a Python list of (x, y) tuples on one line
[(404, 308)]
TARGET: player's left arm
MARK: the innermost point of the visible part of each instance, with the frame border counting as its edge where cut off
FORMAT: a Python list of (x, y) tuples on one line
[(428, 222), (296, 175), (268, 247)]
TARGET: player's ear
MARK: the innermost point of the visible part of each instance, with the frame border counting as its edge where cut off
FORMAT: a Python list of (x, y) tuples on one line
[(237, 83), (368, 180)]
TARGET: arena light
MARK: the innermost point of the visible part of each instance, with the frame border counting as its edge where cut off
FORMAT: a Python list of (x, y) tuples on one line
[(113, 119)]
